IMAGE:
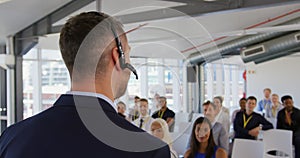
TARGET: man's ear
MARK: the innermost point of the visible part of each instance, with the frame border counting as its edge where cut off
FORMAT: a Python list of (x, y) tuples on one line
[(115, 57)]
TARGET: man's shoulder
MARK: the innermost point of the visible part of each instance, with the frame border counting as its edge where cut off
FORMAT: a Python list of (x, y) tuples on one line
[(281, 111), (170, 111), (239, 114)]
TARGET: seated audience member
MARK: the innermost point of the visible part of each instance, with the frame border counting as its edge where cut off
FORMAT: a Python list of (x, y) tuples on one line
[(222, 113), (273, 109), (121, 107), (165, 113), (220, 135), (262, 104), (160, 129), (242, 103), (155, 103), (134, 112), (289, 119), (144, 121), (247, 124), (202, 143)]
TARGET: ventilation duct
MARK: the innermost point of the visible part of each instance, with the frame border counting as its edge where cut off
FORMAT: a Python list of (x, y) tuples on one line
[(253, 51), (215, 53), (297, 37), (272, 49), (277, 55)]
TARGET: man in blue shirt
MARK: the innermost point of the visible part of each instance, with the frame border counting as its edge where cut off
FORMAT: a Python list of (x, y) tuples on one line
[(262, 104)]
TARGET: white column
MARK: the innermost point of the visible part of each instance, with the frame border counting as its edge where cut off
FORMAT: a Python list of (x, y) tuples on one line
[(227, 86), (235, 85), (10, 87), (219, 80), (176, 89), (144, 80), (161, 75), (37, 84), (185, 87), (209, 82)]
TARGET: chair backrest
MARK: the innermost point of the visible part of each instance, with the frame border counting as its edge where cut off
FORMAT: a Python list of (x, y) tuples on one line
[(278, 140), (180, 141), (245, 148)]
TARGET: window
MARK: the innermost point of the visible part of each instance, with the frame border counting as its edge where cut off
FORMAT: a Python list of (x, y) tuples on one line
[(45, 78)]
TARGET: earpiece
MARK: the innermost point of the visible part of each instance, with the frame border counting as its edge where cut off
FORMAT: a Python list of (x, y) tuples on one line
[(122, 61)]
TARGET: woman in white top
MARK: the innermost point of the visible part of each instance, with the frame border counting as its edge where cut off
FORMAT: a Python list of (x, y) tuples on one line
[(274, 108), (160, 129)]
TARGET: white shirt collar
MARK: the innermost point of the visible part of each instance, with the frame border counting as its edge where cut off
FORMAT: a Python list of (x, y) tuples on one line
[(91, 94)]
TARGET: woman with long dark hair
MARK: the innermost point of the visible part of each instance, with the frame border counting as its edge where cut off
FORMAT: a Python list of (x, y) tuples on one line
[(202, 142)]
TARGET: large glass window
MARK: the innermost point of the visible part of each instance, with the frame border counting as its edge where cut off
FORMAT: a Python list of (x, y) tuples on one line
[(158, 76), (45, 77), (231, 91)]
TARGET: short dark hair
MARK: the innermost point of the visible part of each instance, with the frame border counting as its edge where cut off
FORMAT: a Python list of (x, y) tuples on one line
[(243, 99), (206, 103), (120, 102), (164, 98), (285, 97), (144, 100), (76, 30), (267, 89), (252, 98), (136, 97)]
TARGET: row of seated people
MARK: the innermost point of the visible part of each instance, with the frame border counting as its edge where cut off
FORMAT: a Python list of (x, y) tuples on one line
[(247, 123), (141, 117)]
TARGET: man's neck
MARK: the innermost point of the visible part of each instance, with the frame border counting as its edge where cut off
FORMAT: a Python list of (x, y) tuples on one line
[(86, 86), (163, 108), (143, 116), (289, 109), (249, 112)]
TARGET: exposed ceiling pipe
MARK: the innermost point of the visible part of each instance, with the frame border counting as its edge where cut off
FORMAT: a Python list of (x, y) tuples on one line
[(272, 49), (215, 53)]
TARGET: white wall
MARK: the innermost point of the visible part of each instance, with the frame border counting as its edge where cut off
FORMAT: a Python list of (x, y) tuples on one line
[(281, 75)]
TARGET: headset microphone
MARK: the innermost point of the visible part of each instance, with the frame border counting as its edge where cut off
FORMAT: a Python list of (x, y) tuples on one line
[(122, 61)]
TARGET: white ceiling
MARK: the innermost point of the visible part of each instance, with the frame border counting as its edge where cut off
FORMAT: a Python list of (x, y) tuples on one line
[(16, 15), (165, 38)]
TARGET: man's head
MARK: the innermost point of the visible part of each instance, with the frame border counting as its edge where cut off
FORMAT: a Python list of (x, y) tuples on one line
[(163, 102), (210, 110), (267, 92), (136, 100), (287, 102), (143, 106), (242, 103), (90, 52), (205, 106), (121, 107), (251, 103)]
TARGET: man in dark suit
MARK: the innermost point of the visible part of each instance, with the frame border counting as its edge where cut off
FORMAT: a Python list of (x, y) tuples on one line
[(288, 118), (84, 123)]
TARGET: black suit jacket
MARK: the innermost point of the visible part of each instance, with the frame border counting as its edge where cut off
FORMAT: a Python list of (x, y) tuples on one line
[(61, 132), (295, 126)]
